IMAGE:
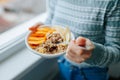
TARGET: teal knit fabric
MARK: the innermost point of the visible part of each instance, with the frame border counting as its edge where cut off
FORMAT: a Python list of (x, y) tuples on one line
[(97, 20)]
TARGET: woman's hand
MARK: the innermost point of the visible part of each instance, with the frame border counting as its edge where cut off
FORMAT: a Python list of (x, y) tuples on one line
[(34, 27), (79, 50)]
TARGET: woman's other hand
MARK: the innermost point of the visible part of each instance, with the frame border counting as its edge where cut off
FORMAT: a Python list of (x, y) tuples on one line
[(79, 50)]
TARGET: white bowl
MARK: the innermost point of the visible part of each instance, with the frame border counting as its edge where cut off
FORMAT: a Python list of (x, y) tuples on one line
[(45, 55)]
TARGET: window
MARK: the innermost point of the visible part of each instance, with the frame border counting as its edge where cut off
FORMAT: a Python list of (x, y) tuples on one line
[(15, 19), (14, 12)]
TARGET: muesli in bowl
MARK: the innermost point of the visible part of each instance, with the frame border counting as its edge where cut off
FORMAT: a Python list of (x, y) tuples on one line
[(48, 41)]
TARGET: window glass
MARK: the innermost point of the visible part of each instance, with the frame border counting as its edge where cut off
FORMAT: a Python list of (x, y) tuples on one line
[(14, 12)]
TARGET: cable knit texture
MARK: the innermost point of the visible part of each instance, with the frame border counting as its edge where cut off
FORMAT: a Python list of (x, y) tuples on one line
[(98, 20)]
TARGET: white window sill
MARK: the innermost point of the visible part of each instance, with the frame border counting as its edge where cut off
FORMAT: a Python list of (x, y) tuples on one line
[(22, 62), (18, 63), (16, 66)]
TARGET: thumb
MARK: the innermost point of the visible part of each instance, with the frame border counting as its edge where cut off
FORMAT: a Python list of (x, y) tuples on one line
[(81, 41)]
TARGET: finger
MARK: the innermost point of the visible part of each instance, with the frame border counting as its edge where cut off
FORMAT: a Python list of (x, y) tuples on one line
[(86, 55), (75, 59), (72, 42), (80, 51), (73, 55), (81, 41), (70, 52), (72, 47), (39, 24), (89, 45), (75, 48), (70, 57)]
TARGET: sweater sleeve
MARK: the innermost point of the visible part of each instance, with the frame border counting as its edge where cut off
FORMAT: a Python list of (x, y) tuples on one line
[(109, 53), (50, 10)]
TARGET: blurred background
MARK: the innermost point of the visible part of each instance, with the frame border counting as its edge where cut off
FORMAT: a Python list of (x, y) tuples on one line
[(14, 12)]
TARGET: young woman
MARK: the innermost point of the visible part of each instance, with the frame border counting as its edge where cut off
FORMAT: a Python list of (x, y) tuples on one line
[(98, 22)]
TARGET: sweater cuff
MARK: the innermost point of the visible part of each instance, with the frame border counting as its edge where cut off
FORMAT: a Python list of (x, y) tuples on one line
[(97, 55)]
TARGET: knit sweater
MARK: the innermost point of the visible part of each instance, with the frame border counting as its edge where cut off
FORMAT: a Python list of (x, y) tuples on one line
[(97, 20)]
